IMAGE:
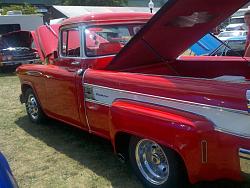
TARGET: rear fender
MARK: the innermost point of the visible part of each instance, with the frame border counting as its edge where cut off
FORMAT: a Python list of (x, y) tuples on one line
[(175, 129)]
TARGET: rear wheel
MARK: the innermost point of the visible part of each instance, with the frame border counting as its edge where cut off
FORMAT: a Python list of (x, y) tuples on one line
[(154, 165), (33, 108)]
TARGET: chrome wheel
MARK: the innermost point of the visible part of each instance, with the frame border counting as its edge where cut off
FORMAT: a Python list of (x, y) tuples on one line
[(32, 107), (152, 161)]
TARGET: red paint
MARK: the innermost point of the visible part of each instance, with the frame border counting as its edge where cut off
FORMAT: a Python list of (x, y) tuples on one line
[(148, 65)]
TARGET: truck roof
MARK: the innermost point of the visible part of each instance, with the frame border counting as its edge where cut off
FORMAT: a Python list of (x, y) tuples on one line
[(104, 17)]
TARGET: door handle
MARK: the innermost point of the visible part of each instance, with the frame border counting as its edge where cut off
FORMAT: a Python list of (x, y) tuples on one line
[(75, 63)]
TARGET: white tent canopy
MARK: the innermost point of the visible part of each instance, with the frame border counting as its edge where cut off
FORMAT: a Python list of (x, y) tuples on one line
[(73, 11)]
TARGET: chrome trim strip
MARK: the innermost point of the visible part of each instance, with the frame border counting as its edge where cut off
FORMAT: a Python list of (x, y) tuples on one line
[(96, 102), (224, 119), (171, 99), (244, 152), (85, 107), (230, 133), (34, 73), (203, 155)]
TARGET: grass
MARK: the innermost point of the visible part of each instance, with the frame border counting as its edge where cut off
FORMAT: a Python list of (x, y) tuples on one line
[(57, 155)]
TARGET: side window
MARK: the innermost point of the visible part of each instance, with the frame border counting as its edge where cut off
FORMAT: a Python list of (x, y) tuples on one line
[(70, 43)]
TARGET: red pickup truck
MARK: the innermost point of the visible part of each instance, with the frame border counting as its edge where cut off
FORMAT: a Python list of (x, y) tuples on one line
[(119, 76)]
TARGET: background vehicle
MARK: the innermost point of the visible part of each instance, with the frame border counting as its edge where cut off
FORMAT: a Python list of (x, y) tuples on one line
[(16, 49), (229, 34), (236, 23), (233, 46)]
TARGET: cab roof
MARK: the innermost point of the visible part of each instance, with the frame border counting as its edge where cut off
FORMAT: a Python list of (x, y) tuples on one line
[(108, 17)]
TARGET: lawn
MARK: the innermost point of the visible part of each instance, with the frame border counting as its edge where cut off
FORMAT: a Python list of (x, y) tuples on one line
[(57, 155)]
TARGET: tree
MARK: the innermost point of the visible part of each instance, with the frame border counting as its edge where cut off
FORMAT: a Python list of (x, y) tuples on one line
[(94, 2), (26, 9)]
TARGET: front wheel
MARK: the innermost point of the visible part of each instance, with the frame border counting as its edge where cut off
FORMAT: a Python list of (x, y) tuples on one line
[(154, 165), (33, 108)]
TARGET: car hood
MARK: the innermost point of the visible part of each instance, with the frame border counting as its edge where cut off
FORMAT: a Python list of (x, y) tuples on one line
[(16, 39), (172, 30)]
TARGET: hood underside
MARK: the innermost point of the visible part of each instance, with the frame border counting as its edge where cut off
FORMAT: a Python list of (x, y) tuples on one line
[(46, 39), (16, 39), (175, 27)]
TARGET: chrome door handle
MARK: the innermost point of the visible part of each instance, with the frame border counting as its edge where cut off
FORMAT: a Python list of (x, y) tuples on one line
[(75, 63)]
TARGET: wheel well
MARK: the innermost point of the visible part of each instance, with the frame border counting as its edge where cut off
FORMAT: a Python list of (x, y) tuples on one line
[(122, 140), (122, 144), (25, 87)]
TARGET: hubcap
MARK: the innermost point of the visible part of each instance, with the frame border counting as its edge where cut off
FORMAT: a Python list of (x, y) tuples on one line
[(152, 161), (32, 107)]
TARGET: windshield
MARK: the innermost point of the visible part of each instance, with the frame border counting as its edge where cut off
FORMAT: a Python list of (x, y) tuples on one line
[(108, 40)]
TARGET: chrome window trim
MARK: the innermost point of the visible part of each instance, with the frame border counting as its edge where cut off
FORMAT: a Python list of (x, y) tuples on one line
[(71, 27)]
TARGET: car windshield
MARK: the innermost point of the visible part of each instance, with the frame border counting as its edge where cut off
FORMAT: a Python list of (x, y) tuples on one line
[(108, 40)]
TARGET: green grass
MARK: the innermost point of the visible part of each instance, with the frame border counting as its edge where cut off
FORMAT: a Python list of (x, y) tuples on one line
[(57, 155)]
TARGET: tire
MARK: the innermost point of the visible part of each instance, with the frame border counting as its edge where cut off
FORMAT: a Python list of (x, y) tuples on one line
[(33, 107), (163, 167)]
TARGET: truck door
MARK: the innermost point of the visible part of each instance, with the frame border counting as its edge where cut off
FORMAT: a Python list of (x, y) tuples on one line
[(61, 88)]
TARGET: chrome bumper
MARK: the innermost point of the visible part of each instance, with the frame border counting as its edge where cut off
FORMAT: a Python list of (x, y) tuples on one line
[(17, 62), (244, 155)]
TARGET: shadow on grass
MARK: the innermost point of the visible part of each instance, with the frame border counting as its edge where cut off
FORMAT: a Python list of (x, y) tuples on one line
[(96, 153), (7, 74)]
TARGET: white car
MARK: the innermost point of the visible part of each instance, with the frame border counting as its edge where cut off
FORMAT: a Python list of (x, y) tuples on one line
[(229, 34)]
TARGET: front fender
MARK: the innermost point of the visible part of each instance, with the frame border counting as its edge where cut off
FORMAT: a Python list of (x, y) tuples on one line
[(175, 129)]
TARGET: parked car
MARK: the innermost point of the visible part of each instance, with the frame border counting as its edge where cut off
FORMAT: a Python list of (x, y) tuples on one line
[(234, 46), (16, 49), (229, 34), (117, 75), (210, 45), (7, 179), (236, 23)]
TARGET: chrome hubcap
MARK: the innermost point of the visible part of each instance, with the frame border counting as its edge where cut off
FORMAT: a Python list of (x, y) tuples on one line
[(32, 107), (152, 161)]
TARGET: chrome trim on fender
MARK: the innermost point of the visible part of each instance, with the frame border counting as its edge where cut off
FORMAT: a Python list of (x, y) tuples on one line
[(203, 151), (223, 119), (96, 102), (171, 99), (244, 156), (34, 73), (85, 107)]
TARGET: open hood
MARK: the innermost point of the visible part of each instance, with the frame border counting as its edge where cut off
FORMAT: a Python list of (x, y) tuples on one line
[(16, 39), (46, 39), (172, 30)]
